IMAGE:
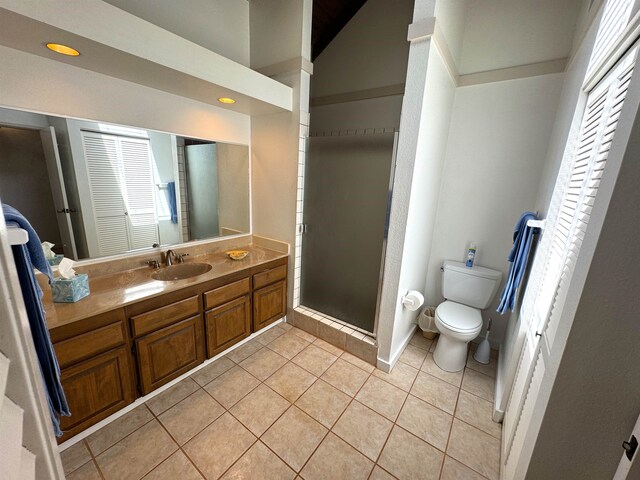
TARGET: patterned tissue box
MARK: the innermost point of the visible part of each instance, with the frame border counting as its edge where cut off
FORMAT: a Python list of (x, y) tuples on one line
[(70, 290), (55, 260)]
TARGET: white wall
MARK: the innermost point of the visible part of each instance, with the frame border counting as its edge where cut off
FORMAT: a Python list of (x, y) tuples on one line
[(233, 187), (521, 32), (383, 112), (371, 51), (221, 26), (494, 161), (32, 83)]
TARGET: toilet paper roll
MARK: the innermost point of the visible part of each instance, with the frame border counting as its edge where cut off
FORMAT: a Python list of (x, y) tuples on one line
[(413, 300)]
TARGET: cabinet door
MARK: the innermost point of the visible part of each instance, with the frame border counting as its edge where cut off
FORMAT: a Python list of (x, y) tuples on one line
[(169, 352), (228, 324), (269, 304), (95, 389)]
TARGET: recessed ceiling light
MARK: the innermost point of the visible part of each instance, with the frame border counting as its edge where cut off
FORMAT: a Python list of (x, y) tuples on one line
[(226, 100), (63, 49)]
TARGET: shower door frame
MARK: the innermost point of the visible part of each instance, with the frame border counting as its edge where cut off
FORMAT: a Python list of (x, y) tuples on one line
[(392, 171)]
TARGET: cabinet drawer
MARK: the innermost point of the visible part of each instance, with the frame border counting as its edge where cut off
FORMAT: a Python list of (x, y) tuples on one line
[(269, 276), (168, 353), (161, 317), (227, 325), (95, 389), (269, 304), (224, 294), (88, 344)]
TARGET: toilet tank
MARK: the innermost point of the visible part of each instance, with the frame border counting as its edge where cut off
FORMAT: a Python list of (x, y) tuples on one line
[(474, 286)]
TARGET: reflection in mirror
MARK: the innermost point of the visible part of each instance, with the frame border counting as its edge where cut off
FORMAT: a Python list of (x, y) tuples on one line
[(97, 189)]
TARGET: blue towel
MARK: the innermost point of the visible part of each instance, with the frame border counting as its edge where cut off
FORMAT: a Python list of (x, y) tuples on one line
[(522, 240), (173, 208), (26, 258)]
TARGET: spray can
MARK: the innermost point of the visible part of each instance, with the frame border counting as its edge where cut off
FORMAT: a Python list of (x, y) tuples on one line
[(471, 255)]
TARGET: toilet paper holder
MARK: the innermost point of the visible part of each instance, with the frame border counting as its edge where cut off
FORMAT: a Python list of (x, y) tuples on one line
[(413, 300)]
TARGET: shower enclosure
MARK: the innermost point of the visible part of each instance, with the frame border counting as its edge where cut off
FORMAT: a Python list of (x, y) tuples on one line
[(347, 197)]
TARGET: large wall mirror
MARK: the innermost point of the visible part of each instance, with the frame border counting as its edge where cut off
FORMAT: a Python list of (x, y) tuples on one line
[(96, 189)]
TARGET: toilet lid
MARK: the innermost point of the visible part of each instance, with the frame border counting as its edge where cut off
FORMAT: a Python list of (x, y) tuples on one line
[(458, 317)]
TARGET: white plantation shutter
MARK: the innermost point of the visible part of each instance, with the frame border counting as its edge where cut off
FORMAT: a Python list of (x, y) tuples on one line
[(140, 192), (121, 183), (569, 224)]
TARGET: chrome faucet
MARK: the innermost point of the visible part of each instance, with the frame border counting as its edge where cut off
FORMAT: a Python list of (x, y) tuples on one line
[(177, 257)]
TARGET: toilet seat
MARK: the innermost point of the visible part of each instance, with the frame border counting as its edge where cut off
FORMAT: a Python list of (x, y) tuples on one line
[(459, 318)]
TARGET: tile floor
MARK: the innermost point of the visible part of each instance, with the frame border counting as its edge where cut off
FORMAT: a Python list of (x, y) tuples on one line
[(288, 405)]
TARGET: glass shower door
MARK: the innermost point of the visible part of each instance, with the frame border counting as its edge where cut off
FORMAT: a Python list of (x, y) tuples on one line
[(346, 197)]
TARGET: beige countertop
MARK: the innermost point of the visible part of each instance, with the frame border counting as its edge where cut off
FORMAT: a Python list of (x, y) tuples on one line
[(116, 290)]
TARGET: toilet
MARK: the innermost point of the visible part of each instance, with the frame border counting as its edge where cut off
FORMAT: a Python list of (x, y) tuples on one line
[(467, 291)]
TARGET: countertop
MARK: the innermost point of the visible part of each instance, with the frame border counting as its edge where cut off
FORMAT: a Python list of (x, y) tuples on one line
[(117, 290)]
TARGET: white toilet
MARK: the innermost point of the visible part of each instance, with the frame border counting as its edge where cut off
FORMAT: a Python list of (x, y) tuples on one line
[(467, 291)]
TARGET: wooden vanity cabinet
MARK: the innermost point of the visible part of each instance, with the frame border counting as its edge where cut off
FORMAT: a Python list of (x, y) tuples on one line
[(168, 337), (228, 319), (269, 296), (96, 370)]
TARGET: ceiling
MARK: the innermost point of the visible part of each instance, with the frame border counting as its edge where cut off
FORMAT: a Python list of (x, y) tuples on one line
[(329, 17)]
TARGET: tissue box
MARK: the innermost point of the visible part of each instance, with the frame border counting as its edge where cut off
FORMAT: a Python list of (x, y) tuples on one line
[(70, 290), (55, 260)]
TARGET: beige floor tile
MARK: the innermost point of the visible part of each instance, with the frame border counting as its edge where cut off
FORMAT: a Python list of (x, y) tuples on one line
[(335, 459), (294, 437), (212, 371), (284, 326), (402, 376), (231, 386), (382, 397), (270, 335), (74, 457), (303, 334), (476, 449), (408, 457), (380, 474), (478, 412), (454, 470), (345, 376), (364, 429), (259, 409), (219, 445), (426, 421), (259, 463), (358, 362), (244, 351), (167, 399), (489, 369), (190, 416), (118, 429), (177, 467), (138, 454), (435, 391), (433, 346), (413, 356), (418, 340), (324, 403), (328, 347), (88, 471), (291, 381), (314, 359), (263, 363), (429, 366), (288, 345), (478, 384)]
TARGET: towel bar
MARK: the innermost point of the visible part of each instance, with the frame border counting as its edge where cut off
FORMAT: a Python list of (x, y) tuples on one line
[(17, 236), (536, 223)]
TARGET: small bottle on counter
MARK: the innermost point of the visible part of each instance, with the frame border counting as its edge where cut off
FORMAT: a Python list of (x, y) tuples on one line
[(471, 255)]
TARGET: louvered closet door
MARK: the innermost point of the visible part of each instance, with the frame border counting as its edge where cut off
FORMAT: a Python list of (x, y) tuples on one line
[(559, 249), (107, 192), (137, 168)]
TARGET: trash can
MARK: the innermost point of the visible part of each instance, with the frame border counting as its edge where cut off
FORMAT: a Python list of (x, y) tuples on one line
[(427, 322)]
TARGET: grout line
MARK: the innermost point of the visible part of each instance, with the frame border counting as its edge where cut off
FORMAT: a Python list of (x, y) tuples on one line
[(93, 458)]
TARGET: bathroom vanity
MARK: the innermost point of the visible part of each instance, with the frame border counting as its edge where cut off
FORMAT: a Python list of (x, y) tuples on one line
[(134, 334)]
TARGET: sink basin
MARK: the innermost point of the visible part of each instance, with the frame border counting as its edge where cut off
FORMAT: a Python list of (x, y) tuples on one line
[(181, 271)]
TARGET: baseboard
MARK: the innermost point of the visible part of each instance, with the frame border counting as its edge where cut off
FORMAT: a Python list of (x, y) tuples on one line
[(387, 366)]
